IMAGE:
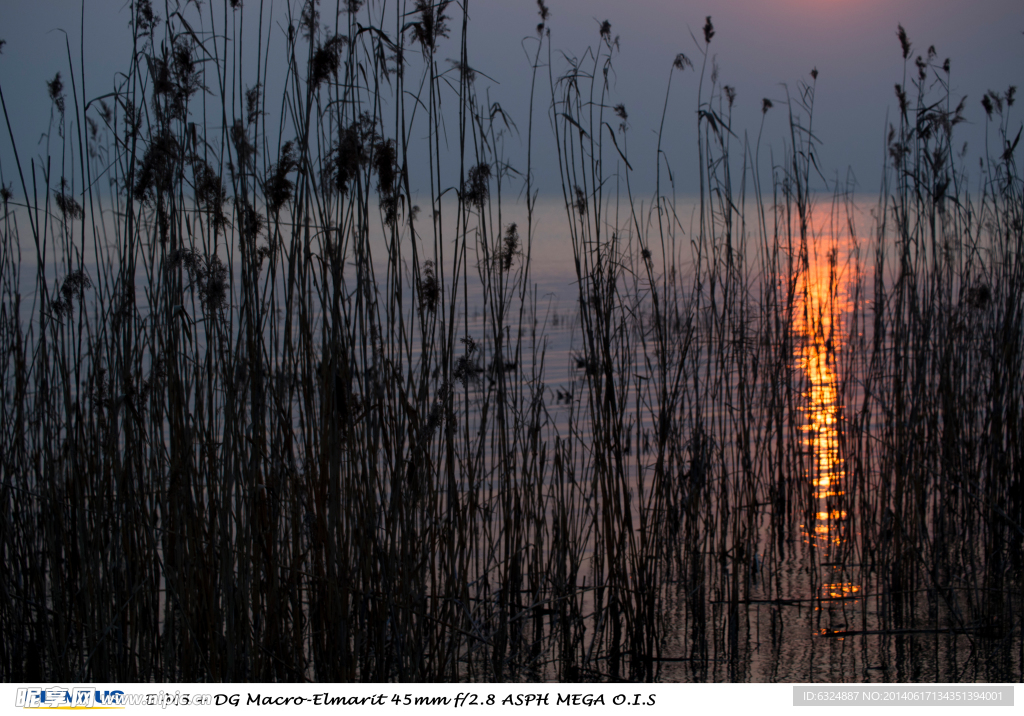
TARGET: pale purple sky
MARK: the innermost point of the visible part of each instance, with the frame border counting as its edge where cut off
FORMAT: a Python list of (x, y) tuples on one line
[(758, 46)]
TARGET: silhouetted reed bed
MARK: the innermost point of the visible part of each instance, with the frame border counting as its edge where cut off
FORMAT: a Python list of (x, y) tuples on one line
[(267, 419)]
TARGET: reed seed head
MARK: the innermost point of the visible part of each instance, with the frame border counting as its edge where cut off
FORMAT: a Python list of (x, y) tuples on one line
[(326, 60), (159, 168), (73, 287), (69, 208), (581, 201), (385, 162), (146, 20), (389, 208), (277, 187), (901, 95), (55, 88), (244, 149), (465, 71), (252, 103), (510, 248), (210, 192), (709, 30), (214, 289), (250, 221), (476, 190), (428, 287), (466, 367), (432, 24), (904, 42), (543, 11), (208, 272), (350, 152), (309, 19)]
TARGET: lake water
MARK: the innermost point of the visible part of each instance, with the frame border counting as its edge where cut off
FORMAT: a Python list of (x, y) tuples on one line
[(783, 572)]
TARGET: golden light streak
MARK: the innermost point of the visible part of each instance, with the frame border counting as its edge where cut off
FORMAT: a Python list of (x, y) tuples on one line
[(819, 322)]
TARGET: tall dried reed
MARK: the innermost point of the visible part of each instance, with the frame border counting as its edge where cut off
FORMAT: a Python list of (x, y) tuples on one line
[(252, 430)]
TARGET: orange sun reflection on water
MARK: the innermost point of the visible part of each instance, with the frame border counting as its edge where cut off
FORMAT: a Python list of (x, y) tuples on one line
[(824, 300)]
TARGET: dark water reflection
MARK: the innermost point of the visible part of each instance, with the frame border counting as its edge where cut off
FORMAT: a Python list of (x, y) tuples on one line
[(799, 591)]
